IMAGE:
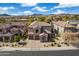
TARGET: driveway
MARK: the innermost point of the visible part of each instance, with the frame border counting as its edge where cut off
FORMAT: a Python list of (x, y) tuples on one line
[(34, 44)]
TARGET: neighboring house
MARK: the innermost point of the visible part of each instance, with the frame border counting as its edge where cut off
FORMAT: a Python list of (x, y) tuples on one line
[(4, 32), (64, 26), (17, 27), (7, 31), (71, 26), (76, 24), (39, 31), (73, 22)]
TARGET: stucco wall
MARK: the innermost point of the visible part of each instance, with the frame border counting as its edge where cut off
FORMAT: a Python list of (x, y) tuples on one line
[(47, 28)]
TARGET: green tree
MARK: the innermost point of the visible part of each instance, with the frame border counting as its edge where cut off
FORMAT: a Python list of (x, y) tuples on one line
[(48, 19), (40, 18), (17, 38)]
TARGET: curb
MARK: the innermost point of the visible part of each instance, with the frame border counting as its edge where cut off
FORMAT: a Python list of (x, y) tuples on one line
[(38, 49)]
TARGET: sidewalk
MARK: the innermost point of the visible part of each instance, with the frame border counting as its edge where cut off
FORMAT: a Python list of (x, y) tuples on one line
[(58, 48), (37, 49)]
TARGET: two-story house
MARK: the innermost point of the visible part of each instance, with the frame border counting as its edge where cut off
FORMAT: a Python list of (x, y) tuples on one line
[(65, 26), (39, 31), (4, 32), (17, 28), (7, 31), (61, 27)]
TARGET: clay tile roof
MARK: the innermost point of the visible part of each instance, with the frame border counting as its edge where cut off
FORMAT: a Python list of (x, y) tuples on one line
[(7, 34), (43, 34), (14, 29), (18, 23), (47, 31), (74, 21), (37, 23), (4, 25), (63, 24), (77, 27)]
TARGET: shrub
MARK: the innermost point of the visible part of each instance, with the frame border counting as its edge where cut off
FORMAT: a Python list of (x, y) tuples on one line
[(17, 38), (59, 45), (23, 38), (67, 44), (52, 44)]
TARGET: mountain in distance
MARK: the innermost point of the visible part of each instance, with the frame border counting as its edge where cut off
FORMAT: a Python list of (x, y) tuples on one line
[(4, 15)]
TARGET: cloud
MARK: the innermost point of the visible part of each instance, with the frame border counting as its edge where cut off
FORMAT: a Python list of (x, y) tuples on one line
[(44, 7), (23, 13), (28, 4), (5, 9), (63, 5), (51, 8), (14, 14), (28, 12), (59, 12), (40, 9)]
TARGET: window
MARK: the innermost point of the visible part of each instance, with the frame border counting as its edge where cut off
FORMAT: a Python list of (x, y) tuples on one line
[(0, 30), (41, 29), (44, 38), (15, 26), (31, 37), (37, 30)]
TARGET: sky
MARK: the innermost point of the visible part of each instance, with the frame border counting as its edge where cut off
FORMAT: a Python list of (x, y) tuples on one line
[(38, 8)]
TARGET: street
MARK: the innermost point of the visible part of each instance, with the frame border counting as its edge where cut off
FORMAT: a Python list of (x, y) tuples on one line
[(40, 53)]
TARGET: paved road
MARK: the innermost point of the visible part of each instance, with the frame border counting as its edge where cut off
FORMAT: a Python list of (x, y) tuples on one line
[(40, 53)]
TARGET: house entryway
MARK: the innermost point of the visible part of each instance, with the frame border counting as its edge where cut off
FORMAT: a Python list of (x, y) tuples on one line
[(37, 37)]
